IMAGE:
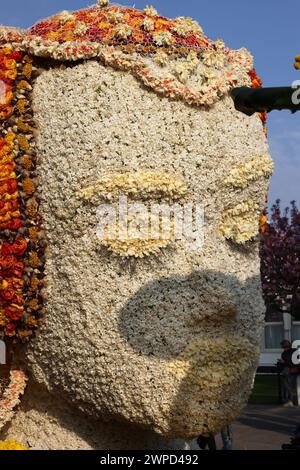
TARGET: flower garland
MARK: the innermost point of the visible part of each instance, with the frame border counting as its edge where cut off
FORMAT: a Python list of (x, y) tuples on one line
[(21, 250), (11, 396), (204, 95), (134, 40), (101, 28)]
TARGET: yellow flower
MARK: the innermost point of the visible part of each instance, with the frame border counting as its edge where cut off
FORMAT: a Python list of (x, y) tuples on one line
[(21, 105), (12, 74), (10, 139), (27, 71), (12, 444), (10, 64)]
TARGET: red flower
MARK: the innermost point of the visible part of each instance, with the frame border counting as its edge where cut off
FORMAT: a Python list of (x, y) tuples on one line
[(18, 300), (7, 295), (5, 249), (8, 186), (17, 270), (11, 326), (7, 262), (19, 247), (256, 81), (14, 224), (15, 55)]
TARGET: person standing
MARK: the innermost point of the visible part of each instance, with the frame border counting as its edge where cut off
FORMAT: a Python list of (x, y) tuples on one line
[(289, 372)]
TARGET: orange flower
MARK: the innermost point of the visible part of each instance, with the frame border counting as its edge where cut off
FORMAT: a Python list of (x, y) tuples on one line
[(10, 138), (9, 96), (27, 71), (31, 322), (10, 329), (24, 334), (33, 304), (10, 64), (23, 85), (34, 283), (26, 162), (28, 186), (32, 208), (27, 59), (33, 234), (5, 113), (22, 126), (23, 143), (34, 260), (21, 105), (263, 222)]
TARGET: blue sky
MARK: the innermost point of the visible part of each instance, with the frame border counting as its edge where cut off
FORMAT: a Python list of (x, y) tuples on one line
[(269, 29)]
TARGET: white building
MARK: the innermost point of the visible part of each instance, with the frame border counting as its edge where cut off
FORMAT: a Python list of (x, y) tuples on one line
[(279, 325)]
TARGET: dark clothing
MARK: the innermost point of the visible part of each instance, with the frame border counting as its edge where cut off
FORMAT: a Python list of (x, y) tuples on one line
[(289, 372), (288, 381), (286, 356), (226, 434), (207, 441)]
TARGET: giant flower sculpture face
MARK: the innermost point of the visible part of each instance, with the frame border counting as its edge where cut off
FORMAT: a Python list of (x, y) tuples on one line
[(145, 329)]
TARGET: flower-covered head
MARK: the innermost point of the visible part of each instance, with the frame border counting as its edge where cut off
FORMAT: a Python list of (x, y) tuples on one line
[(141, 329)]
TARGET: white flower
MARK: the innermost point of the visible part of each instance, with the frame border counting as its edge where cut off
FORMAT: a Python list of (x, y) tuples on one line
[(161, 58), (150, 11), (181, 30), (193, 60), (183, 69), (123, 31), (65, 16), (219, 44), (81, 28), (219, 60), (185, 26), (115, 16), (243, 57), (148, 24), (209, 74), (102, 3), (164, 38), (208, 58), (182, 72)]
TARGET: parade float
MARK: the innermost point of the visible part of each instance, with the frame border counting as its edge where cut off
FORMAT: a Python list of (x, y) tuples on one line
[(126, 343)]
